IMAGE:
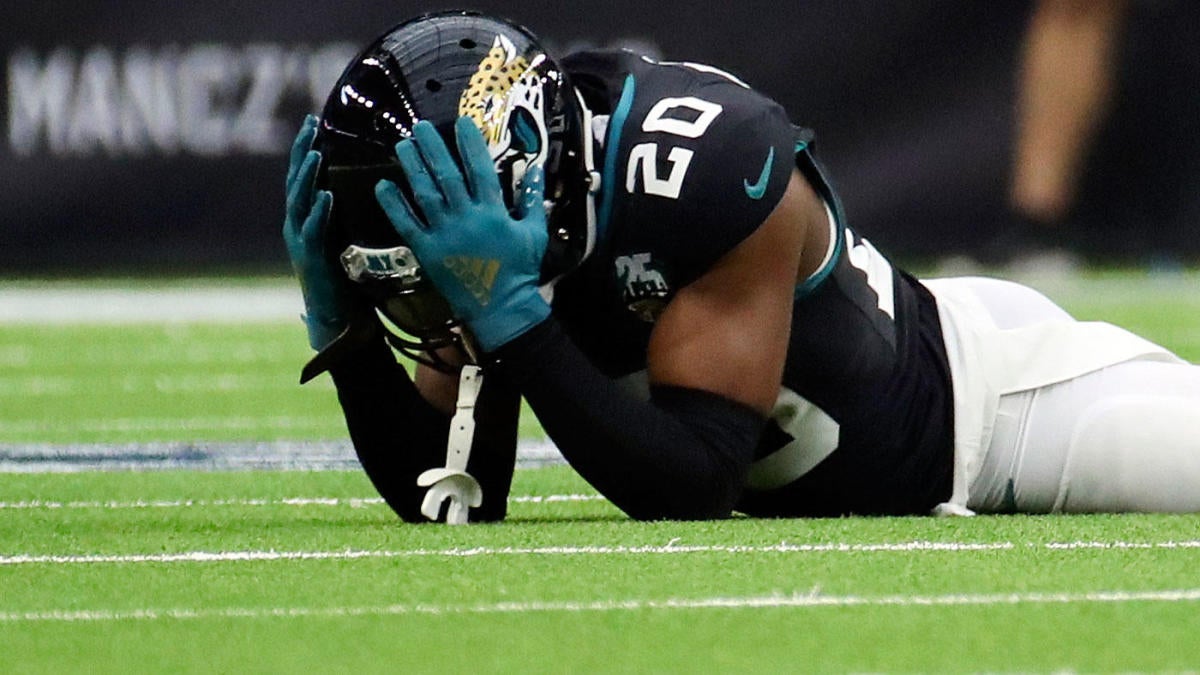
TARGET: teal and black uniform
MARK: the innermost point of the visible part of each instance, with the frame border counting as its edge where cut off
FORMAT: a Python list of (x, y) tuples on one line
[(692, 162), (875, 370)]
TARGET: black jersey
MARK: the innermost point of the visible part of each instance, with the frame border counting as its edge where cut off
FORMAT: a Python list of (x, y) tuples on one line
[(692, 162)]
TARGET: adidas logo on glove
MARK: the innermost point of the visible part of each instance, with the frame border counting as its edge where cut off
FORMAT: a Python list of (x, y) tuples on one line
[(476, 274)]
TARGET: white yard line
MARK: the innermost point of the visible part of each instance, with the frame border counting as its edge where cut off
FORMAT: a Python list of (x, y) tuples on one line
[(328, 455), (813, 599), (671, 548), (353, 502)]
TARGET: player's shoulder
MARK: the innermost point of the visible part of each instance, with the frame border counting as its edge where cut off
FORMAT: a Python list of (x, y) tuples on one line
[(694, 159), (719, 129), (638, 81)]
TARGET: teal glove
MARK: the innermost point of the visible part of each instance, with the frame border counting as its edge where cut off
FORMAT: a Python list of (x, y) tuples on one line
[(323, 285), (484, 261)]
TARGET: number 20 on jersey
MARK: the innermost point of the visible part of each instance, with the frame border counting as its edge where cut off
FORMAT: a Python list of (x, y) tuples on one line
[(663, 118)]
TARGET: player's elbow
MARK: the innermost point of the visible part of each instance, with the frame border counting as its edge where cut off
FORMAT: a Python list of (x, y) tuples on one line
[(710, 497), (689, 508)]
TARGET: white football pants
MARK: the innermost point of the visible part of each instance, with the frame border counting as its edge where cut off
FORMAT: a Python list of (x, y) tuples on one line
[(1124, 438)]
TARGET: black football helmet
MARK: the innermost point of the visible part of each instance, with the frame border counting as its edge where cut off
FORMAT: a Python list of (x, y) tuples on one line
[(439, 67)]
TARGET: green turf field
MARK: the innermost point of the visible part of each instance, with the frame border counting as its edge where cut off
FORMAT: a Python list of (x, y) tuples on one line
[(279, 571)]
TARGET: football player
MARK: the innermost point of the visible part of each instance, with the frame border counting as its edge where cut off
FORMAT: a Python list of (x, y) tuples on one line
[(651, 255)]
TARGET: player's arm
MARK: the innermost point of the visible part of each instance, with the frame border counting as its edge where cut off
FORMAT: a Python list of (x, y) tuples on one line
[(716, 360), (727, 332), (397, 432), (683, 454)]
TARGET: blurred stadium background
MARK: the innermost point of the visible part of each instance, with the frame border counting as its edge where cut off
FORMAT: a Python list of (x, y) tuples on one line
[(149, 137)]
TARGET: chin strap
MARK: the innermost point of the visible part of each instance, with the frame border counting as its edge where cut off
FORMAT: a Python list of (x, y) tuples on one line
[(453, 482)]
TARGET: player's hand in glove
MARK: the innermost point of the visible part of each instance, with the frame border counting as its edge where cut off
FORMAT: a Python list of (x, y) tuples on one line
[(324, 285), (485, 261)]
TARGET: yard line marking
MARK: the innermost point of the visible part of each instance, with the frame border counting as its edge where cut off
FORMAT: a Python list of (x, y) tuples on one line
[(323, 455), (1072, 545), (671, 548), (550, 499), (353, 502), (812, 599), (483, 551)]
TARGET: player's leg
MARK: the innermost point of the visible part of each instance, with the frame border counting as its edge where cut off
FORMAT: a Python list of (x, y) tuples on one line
[(1125, 438), (1012, 305)]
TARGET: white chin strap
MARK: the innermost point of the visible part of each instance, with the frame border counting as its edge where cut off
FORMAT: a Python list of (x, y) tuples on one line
[(452, 482)]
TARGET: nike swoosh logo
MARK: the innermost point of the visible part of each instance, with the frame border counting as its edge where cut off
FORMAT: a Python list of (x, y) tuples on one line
[(757, 190)]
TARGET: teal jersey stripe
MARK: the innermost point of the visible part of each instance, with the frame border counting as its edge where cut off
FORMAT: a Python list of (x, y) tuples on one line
[(612, 145), (810, 284)]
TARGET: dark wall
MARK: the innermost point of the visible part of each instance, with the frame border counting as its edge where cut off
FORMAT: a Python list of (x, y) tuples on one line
[(152, 135)]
